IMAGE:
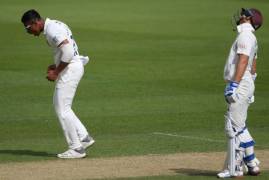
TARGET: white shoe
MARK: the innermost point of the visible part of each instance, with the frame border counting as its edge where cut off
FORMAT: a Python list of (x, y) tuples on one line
[(72, 154), (226, 174), (87, 142)]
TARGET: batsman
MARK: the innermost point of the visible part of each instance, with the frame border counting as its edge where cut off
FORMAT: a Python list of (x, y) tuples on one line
[(240, 74)]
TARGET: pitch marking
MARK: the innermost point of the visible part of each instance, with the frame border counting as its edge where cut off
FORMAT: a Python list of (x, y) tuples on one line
[(199, 138), (188, 137)]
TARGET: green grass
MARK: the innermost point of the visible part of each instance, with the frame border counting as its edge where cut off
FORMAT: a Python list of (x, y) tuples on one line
[(156, 67)]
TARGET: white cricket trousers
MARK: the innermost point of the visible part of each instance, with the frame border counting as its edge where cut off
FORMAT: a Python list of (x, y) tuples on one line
[(237, 112), (66, 85)]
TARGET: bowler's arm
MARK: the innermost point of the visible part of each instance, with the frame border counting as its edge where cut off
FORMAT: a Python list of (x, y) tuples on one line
[(62, 64), (66, 55)]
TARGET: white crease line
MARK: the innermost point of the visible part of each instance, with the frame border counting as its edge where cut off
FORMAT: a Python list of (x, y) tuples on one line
[(188, 137), (198, 138)]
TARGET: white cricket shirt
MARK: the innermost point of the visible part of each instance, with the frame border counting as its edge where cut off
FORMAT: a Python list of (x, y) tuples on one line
[(245, 43), (55, 33)]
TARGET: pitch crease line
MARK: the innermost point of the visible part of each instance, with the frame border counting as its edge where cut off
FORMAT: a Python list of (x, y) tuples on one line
[(198, 138), (189, 137)]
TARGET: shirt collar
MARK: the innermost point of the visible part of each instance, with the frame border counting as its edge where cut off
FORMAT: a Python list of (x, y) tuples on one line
[(46, 25), (245, 27)]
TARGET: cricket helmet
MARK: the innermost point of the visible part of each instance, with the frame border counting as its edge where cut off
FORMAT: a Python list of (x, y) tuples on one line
[(254, 14)]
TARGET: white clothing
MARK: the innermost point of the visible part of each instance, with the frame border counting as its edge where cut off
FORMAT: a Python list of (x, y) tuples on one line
[(55, 33), (66, 84), (246, 44), (237, 111), (64, 93)]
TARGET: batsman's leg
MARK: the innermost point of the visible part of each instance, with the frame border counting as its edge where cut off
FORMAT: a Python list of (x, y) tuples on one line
[(234, 158), (250, 159)]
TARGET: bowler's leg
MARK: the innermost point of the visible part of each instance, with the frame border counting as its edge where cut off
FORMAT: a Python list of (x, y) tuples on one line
[(62, 103)]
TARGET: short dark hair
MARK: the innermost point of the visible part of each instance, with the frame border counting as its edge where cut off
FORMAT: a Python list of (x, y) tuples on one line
[(30, 15)]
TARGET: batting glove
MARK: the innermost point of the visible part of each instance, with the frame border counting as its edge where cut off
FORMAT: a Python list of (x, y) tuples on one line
[(229, 92)]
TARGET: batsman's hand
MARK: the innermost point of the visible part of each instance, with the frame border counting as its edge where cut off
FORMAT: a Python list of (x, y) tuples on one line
[(52, 75), (230, 92)]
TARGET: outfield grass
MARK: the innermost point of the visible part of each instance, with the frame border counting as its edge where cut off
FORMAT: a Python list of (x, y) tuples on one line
[(156, 67)]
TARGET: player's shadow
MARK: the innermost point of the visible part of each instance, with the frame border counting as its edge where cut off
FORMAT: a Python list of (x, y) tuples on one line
[(25, 152), (194, 172)]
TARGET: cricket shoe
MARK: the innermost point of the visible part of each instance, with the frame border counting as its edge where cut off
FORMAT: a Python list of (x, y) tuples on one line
[(254, 171), (87, 142), (253, 167), (72, 154), (226, 174)]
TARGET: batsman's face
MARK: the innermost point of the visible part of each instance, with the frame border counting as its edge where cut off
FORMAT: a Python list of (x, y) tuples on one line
[(33, 27)]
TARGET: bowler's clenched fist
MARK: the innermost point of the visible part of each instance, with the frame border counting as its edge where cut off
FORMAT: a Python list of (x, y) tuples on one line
[(52, 75)]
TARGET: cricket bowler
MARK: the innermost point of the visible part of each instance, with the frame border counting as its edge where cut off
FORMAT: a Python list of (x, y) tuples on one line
[(240, 74), (67, 70)]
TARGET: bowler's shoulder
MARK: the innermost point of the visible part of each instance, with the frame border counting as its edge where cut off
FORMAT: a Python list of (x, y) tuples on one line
[(53, 27)]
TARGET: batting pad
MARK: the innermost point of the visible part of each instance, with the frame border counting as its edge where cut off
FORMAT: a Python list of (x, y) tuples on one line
[(231, 156)]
